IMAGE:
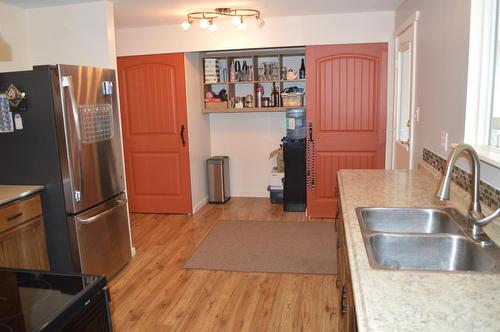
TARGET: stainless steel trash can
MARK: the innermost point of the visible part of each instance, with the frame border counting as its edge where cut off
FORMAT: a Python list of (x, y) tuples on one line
[(218, 179)]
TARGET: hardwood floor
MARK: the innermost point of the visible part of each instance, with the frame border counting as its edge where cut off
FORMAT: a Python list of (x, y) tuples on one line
[(154, 293)]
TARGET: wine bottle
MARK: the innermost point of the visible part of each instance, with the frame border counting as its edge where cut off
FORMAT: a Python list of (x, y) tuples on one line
[(237, 67), (302, 70), (275, 98), (244, 71)]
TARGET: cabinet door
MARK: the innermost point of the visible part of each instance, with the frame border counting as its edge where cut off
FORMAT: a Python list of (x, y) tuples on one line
[(24, 247), (347, 313), (346, 109)]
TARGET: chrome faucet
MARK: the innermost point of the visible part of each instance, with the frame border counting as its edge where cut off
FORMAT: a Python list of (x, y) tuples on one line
[(476, 219)]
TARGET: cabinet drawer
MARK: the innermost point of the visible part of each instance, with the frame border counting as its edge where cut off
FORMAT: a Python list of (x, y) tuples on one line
[(15, 213)]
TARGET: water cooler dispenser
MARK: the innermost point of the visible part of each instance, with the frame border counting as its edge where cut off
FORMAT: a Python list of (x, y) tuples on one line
[(294, 155)]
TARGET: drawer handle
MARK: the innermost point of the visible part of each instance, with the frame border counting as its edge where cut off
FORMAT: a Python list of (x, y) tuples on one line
[(15, 216)]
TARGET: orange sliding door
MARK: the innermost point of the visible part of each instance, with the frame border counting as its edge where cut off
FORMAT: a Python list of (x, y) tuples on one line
[(346, 107), (153, 108)]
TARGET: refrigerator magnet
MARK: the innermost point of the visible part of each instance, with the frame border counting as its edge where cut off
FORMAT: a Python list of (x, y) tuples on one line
[(18, 122)]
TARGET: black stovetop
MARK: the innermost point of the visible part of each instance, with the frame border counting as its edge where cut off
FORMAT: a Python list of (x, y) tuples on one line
[(31, 300)]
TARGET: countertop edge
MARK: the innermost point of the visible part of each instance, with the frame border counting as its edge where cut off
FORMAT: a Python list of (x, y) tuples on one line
[(31, 189), (361, 319)]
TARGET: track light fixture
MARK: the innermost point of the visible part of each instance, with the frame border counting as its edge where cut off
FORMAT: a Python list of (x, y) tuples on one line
[(206, 19)]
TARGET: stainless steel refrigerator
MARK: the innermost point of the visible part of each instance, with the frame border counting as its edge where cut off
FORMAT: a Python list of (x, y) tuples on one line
[(70, 143)]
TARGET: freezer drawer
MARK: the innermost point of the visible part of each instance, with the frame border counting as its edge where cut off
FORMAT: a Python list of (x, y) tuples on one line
[(101, 238)]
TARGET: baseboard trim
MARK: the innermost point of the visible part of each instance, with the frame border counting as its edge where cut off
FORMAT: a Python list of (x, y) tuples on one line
[(201, 203), (250, 194)]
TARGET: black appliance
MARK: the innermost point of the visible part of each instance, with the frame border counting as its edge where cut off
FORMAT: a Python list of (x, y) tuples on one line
[(42, 301), (294, 186)]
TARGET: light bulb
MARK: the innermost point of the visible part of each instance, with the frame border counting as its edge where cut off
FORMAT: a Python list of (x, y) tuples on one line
[(204, 23), (212, 27), (236, 20), (186, 25), (242, 26), (260, 22)]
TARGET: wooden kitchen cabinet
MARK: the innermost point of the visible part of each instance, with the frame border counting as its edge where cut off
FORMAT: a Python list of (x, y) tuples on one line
[(347, 312), (22, 235)]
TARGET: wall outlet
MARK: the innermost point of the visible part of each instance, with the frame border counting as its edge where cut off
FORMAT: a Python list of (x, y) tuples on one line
[(444, 141), (417, 114)]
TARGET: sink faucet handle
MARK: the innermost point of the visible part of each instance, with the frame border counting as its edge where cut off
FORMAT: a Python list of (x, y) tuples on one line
[(488, 219)]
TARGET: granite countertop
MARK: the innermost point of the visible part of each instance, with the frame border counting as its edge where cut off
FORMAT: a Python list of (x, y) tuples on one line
[(9, 193), (411, 300)]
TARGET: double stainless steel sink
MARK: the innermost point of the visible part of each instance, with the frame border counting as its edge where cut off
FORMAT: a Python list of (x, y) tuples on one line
[(423, 239)]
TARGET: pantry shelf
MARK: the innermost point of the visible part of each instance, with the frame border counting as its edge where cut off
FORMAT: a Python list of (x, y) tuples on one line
[(216, 69), (246, 110)]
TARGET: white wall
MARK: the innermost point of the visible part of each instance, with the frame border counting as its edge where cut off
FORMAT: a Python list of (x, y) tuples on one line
[(14, 50), (277, 31), (249, 138), (79, 34), (442, 61), (442, 56), (198, 131)]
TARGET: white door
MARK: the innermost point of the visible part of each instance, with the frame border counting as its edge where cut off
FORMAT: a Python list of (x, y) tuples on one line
[(404, 99)]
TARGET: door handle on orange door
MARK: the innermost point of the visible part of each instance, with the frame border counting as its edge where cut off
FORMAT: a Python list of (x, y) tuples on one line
[(182, 136)]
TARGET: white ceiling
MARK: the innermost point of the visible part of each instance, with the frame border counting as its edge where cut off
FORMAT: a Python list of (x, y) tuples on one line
[(132, 13)]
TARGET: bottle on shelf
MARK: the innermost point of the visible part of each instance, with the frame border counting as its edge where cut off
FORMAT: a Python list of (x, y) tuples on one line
[(275, 97), (232, 73), (258, 96), (237, 67), (302, 70), (244, 71)]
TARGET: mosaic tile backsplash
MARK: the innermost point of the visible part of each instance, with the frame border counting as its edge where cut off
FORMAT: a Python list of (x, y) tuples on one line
[(489, 195)]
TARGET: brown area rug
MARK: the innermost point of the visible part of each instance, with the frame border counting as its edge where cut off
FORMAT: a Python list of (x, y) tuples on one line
[(263, 246)]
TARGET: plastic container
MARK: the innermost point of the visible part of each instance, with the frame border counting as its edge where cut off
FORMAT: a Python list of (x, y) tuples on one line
[(296, 124), (292, 99), (259, 94), (276, 195)]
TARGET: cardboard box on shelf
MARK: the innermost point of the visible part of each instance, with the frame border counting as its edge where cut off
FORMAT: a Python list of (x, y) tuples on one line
[(276, 178), (216, 104), (279, 159)]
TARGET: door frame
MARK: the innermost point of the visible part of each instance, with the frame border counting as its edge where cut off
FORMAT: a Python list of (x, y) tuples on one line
[(410, 23)]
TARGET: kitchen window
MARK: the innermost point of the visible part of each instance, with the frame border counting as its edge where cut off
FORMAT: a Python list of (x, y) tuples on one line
[(494, 134), (482, 125)]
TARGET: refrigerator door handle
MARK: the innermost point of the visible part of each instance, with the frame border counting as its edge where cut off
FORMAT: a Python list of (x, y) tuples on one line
[(86, 221), (67, 82)]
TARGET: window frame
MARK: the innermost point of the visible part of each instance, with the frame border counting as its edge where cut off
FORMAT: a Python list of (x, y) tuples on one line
[(483, 39)]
